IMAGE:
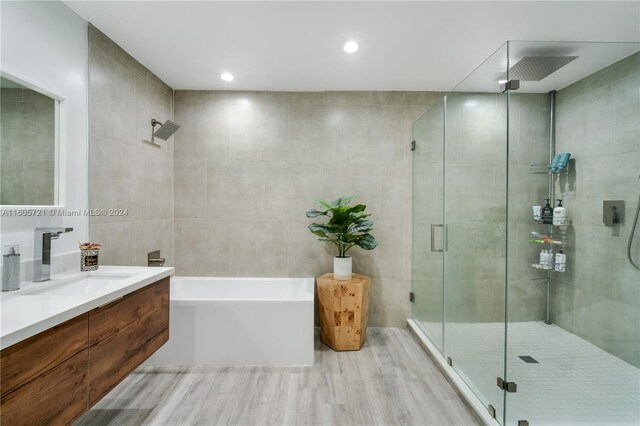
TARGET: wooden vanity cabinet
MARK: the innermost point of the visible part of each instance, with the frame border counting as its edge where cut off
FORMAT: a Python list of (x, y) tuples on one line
[(56, 375), (43, 379)]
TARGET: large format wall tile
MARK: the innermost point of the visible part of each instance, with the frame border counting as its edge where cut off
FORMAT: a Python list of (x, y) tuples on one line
[(204, 133), (258, 131), (202, 247), (598, 122), (258, 248), (248, 165), (317, 134), (375, 134), (235, 190), (388, 305), (126, 172), (287, 190), (118, 242), (190, 181), (112, 100)]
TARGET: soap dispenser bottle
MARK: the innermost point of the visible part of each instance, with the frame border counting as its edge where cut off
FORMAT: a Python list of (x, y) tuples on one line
[(560, 217), (547, 213), (11, 268)]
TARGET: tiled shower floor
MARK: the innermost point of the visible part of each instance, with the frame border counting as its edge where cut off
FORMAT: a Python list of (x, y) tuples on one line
[(573, 383)]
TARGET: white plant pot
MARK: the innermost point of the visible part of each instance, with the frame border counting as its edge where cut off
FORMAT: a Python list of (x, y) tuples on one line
[(342, 268)]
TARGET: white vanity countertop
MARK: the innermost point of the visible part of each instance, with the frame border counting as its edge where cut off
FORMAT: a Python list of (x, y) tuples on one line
[(39, 306)]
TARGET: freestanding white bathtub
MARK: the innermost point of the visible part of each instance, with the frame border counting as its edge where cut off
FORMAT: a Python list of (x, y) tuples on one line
[(239, 321)]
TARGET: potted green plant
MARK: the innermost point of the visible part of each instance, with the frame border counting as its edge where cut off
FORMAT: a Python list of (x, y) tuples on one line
[(347, 227)]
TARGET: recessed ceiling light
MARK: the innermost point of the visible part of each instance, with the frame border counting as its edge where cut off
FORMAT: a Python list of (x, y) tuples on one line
[(226, 76), (351, 47)]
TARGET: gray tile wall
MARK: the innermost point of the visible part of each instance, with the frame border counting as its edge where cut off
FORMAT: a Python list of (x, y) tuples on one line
[(27, 125), (248, 165), (126, 172), (598, 122)]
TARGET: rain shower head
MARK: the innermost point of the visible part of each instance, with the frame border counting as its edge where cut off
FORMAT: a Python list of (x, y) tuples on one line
[(165, 131), (536, 68)]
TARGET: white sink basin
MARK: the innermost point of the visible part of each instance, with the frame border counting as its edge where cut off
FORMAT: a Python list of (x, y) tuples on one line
[(86, 284)]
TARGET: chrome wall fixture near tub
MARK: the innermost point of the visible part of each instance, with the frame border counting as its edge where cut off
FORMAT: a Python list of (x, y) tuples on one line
[(239, 321)]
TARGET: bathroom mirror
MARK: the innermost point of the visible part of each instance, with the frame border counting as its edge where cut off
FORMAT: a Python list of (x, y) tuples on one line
[(29, 144)]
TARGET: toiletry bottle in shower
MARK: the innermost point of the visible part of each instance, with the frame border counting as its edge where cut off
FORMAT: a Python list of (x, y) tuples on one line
[(547, 213), (545, 259), (537, 213), (560, 217), (561, 262), (11, 268)]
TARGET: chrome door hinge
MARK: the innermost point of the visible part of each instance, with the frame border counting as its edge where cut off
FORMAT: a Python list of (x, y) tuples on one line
[(510, 85), (413, 145), (508, 386), (492, 411), (412, 297)]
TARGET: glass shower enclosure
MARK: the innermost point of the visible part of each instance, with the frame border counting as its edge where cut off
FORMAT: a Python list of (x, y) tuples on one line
[(538, 316)]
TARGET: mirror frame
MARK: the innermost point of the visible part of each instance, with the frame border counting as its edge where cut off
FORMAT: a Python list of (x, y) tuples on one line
[(60, 156)]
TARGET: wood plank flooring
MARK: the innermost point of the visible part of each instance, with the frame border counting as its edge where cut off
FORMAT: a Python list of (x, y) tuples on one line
[(391, 381)]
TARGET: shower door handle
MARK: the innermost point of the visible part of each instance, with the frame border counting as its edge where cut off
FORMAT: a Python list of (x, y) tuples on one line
[(433, 237)]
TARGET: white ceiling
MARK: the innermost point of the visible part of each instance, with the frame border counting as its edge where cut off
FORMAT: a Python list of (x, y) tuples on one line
[(298, 45)]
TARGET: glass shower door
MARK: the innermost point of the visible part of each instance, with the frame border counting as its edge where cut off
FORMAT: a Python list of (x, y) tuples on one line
[(574, 330), (427, 273), (475, 179)]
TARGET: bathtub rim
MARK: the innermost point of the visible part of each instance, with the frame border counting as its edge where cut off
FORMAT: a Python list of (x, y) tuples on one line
[(309, 293)]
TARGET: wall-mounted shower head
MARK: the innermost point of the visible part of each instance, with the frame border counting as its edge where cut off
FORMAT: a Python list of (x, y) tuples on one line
[(165, 131), (536, 68)]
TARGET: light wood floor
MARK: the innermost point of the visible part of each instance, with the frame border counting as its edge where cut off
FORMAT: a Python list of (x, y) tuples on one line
[(391, 381)]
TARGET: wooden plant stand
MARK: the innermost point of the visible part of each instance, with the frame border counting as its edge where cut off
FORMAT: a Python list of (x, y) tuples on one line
[(344, 310)]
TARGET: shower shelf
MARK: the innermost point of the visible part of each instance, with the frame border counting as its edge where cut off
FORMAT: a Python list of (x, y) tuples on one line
[(534, 264), (540, 222), (544, 169), (555, 243), (557, 240)]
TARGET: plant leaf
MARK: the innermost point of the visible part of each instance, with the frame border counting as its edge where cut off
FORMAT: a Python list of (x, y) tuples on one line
[(367, 242), (316, 213), (361, 226), (343, 201), (325, 205), (319, 230)]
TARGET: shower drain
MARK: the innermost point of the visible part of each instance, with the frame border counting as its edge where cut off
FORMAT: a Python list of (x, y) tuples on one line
[(528, 359)]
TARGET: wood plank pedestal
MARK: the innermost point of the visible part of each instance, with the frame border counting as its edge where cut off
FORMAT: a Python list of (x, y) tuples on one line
[(344, 310)]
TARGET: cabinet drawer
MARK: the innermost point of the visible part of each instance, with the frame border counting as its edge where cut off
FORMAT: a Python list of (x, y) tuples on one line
[(110, 319), (124, 334), (56, 397), (112, 361), (36, 355)]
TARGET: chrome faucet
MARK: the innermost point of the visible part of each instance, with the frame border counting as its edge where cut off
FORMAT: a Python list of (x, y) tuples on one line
[(42, 251)]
